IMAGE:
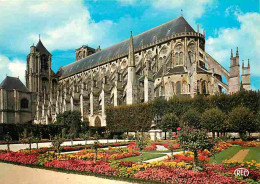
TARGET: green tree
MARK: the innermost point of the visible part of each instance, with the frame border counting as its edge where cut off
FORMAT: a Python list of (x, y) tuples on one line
[(85, 136), (141, 142), (213, 120), (37, 140), (8, 139), (192, 118), (107, 134), (242, 120), (56, 143), (169, 122), (71, 120), (194, 139)]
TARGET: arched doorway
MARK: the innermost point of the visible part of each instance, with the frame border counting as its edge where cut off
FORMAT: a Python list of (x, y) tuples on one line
[(97, 122)]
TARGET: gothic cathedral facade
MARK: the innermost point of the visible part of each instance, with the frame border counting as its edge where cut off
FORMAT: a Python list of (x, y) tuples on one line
[(167, 60)]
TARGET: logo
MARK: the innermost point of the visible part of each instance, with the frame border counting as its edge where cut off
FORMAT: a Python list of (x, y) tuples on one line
[(241, 172)]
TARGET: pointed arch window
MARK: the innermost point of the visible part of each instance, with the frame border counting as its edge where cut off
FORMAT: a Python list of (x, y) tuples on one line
[(178, 87)]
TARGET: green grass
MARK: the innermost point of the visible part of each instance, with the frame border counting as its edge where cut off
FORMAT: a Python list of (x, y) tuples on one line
[(146, 156), (253, 154), (226, 154)]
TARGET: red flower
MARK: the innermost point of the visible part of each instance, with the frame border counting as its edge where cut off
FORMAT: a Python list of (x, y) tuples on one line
[(179, 128)]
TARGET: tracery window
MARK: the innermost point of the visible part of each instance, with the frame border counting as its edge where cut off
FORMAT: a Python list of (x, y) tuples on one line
[(178, 55)]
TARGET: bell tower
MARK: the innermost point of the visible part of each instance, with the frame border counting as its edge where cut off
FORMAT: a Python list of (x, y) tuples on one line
[(39, 77), (234, 80)]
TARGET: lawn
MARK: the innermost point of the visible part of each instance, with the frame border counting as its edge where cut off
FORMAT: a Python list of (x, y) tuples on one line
[(146, 156), (253, 154)]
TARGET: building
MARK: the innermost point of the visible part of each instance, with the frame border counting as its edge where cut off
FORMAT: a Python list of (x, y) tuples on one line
[(16, 102), (167, 60)]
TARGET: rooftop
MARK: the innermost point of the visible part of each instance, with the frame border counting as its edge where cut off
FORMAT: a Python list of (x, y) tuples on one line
[(10, 83), (167, 29)]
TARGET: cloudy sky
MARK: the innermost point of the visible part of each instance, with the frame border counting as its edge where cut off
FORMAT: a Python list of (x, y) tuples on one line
[(65, 25)]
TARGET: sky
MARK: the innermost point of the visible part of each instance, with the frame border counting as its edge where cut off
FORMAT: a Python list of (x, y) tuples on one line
[(65, 25)]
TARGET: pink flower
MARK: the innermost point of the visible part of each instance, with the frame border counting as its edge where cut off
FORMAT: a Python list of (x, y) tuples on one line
[(179, 128)]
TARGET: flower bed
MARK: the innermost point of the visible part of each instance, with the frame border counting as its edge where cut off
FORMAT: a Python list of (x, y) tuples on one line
[(172, 170), (245, 143), (152, 146), (178, 170), (75, 147)]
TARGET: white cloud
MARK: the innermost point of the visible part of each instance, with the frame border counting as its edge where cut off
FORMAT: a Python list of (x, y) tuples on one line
[(191, 9), (246, 37), (65, 24), (14, 68)]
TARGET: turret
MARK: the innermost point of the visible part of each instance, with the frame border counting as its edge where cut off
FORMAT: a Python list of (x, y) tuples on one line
[(234, 80), (246, 76)]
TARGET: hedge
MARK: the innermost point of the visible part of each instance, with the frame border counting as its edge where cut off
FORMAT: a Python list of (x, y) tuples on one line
[(129, 118), (138, 117), (16, 130)]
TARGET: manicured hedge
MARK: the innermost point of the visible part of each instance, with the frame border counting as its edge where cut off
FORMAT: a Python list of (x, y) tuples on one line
[(128, 118), (138, 117), (15, 130)]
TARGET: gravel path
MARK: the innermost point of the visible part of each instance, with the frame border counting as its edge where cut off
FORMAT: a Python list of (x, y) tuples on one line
[(17, 147), (162, 158), (14, 174), (240, 155)]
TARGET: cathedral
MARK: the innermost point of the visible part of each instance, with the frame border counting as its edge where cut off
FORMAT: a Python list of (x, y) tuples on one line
[(167, 60)]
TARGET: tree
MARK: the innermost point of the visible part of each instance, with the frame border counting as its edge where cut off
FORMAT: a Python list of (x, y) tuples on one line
[(28, 139), (194, 139), (71, 136), (85, 136), (169, 122), (71, 120), (115, 137), (107, 134), (192, 118), (172, 146), (56, 143), (242, 120), (141, 142), (37, 139), (8, 139), (213, 120)]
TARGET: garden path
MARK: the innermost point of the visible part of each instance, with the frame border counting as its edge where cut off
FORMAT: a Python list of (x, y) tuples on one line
[(17, 147), (13, 174), (162, 158), (240, 155)]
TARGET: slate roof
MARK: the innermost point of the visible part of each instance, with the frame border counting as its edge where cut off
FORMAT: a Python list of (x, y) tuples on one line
[(40, 47), (10, 83), (172, 27)]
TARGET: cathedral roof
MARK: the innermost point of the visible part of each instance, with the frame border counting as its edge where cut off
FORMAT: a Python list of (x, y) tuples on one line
[(10, 83), (167, 29), (40, 47)]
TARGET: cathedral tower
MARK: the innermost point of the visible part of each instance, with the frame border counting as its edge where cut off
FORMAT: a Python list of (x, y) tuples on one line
[(246, 76), (39, 78), (38, 69), (234, 80)]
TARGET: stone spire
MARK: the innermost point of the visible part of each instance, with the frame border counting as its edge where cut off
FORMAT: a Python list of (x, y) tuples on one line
[(131, 58), (248, 64), (131, 89), (231, 55), (237, 54)]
